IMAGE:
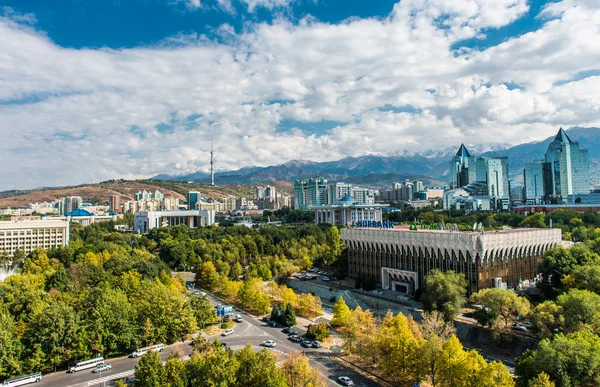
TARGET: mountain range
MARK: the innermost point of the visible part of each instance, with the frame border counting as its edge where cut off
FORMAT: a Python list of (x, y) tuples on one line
[(430, 166)]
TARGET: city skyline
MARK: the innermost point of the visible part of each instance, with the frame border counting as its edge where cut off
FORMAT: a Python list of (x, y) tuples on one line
[(132, 91)]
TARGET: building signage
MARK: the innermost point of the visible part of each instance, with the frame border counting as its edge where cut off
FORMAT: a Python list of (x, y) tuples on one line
[(224, 311), (373, 224)]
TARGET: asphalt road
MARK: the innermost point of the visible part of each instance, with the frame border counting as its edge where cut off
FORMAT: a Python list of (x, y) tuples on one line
[(251, 330)]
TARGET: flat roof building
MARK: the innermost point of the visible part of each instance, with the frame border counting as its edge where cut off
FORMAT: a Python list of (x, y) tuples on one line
[(346, 212), (144, 221), (28, 234), (399, 259)]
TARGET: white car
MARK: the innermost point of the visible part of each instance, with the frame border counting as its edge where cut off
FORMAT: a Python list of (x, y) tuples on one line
[(269, 343), (325, 278), (227, 332), (519, 327), (346, 381), (102, 368)]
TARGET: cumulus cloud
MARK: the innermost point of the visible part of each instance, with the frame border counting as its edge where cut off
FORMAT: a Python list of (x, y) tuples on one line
[(383, 84)]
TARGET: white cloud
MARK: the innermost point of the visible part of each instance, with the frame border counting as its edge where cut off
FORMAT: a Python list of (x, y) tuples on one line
[(70, 116)]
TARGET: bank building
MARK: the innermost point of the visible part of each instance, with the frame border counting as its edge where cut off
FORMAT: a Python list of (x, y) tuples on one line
[(398, 259)]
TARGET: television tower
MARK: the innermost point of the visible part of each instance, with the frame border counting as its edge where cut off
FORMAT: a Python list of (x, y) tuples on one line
[(212, 164)]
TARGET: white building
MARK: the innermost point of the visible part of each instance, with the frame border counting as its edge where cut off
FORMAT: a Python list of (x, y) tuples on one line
[(144, 221), (29, 234), (346, 212)]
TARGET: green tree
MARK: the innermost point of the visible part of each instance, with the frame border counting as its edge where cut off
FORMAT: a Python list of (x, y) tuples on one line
[(10, 346), (571, 361), (150, 372), (318, 331), (203, 311), (559, 262), (430, 357), (288, 317), (207, 277), (444, 292), (501, 302), (536, 220), (580, 308), (584, 277), (335, 246), (257, 369), (548, 318), (341, 312)]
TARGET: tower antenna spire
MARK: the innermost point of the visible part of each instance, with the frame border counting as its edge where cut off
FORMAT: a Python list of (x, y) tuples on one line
[(212, 164)]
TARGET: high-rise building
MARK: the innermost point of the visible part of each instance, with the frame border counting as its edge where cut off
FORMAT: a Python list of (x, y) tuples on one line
[(27, 235), (193, 199), (69, 204), (568, 169), (266, 192), (533, 178), (463, 168), (114, 203), (310, 192)]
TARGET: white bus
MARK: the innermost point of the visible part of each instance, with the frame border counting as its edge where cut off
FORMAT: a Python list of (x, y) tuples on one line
[(141, 351), (84, 365), (22, 380)]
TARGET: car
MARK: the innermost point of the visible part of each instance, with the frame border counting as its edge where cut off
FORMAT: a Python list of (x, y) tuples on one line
[(196, 291), (102, 367), (269, 343), (189, 286), (307, 343), (273, 323), (295, 338), (266, 318), (227, 332), (325, 278), (203, 293), (346, 381), (238, 318), (519, 327), (287, 330), (316, 344)]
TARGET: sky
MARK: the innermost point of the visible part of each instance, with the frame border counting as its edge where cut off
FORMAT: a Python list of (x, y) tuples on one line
[(96, 90)]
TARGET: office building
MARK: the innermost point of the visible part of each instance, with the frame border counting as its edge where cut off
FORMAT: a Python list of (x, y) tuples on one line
[(399, 259), (29, 234), (568, 169), (463, 168), (533, 179), (310, 192), (361, 195), (193, 198), (144, 221), (266, 192)]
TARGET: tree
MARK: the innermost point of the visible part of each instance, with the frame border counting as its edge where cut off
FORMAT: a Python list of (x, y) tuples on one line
[(10, 346), (430, 356), (318, 331), (444, 292), (548, 317), (207, 277), (571, 361), (257, 369), (150, 372), (433, 324), (559, 262), (341, 311), (580, 308), (501, 302), (298, 372), (335, 246), (584, 277), (203, 311), (289, 316), (542, 380), (536, 220)]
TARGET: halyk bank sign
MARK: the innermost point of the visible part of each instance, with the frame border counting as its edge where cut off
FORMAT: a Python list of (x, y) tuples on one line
[(373, 224)]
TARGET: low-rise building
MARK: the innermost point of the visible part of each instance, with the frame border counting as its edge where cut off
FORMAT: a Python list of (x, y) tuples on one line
[(144, 221), (29, 234), (346, 212)]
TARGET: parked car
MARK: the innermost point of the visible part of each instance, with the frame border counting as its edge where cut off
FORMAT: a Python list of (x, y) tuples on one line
[(266, 318), (102, 367), (519, 327), (325, 278), (227, 332), (295, 338), (287, 330), (307, 343), (269, 343), (316, 344), (273, 323), (346, 381)]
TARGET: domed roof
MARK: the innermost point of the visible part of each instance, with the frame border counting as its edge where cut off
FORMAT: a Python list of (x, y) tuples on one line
[(346, 200)]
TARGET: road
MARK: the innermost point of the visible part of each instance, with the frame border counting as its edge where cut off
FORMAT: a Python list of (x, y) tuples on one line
[(251, 330)]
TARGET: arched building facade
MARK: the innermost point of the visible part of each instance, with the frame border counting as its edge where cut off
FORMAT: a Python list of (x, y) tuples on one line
[(399, 259)]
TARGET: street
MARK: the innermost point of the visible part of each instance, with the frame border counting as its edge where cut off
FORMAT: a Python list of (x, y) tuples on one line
[(251, 330)]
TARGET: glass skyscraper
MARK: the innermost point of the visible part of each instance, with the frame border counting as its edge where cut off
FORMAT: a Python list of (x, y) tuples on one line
[(533, 178), (568, 169)]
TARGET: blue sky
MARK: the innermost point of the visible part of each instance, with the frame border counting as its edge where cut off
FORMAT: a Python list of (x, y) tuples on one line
[(135, 88)]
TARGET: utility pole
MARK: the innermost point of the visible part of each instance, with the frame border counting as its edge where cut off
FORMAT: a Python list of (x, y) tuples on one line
[(212, 164)]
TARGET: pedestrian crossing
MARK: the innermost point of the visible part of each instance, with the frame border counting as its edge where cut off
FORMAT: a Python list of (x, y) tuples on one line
[(111, 377)]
